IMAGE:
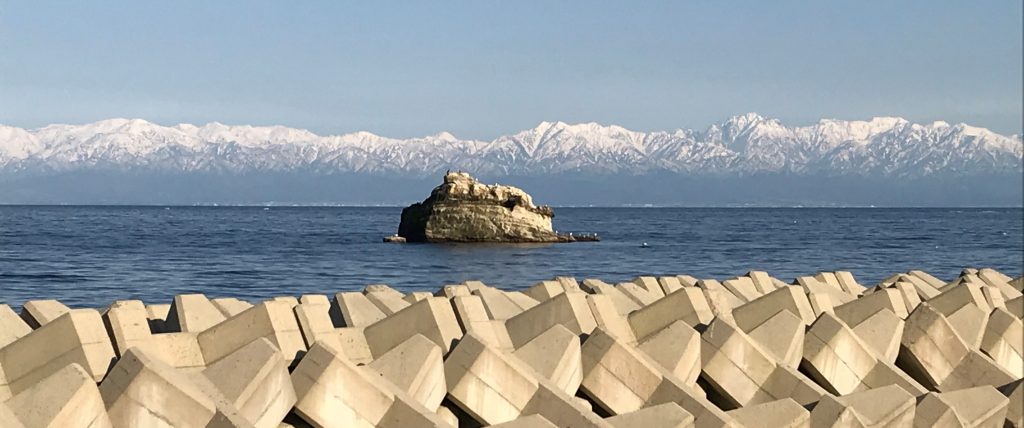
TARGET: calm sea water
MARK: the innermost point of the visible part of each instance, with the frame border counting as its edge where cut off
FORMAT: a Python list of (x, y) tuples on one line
[(90, 256)]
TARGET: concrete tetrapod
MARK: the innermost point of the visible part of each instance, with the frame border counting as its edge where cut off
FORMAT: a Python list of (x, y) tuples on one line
[(498, 304), (608, 319), (836, 358), (742, 374), (144, 391), (387, 299), (812, 285), (66, 398), (273, 320), (933, 353), (555, 355), (743, 287), (784, 413), (687, 304), (571, 310), (669, 284), (638, 294), (967, 311), (530, 421), (255, 380), (888, 406), (881, 331), (762, 281), (492, 388), (334, 392), (38, 313), (676, 348), (472, 317), (720, 300), (192, 313), (621, 379), (433, 318), (615, 376), (127, 323), (983, 406), (415, 366), (230, 306), (78, 337), (781, 335), (665, 415), (9, 418), (757, 311), (1004, 341), (623, 303), (12, 327), (314, 318), (354, 310), (544, 290), (651, 284), (1014, 391)]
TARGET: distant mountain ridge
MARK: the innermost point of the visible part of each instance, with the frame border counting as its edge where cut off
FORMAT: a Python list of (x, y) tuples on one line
[(745, 160), (742, 145)]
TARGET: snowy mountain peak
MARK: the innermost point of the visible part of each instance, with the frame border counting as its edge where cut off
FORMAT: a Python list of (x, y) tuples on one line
[(887, 121), (123, 124), (742, 145), (972, 130), (744, 120), (444, 136)]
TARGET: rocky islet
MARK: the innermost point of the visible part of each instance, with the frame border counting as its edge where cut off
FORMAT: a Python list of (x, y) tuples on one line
[(463, 209)]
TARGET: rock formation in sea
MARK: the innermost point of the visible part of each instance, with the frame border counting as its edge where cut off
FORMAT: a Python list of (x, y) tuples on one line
[(463, 209)]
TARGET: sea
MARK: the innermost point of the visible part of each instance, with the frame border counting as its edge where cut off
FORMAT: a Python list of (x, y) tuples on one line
[(90, 256)]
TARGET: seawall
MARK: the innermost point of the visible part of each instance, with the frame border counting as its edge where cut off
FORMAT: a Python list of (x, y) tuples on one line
[(751, 350)]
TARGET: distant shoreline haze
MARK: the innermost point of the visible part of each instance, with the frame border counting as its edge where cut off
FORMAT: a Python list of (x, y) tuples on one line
[(747, 160)]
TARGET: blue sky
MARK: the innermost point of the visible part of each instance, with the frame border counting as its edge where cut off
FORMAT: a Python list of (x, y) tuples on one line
[(484, 68)]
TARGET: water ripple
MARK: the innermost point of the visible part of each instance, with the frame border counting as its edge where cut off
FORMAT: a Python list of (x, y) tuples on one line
[(90, 256)]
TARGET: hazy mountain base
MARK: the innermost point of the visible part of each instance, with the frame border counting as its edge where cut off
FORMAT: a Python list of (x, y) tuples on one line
[(564, 189)]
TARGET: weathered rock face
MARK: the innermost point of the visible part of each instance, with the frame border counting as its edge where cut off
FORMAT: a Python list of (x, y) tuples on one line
[(462, 209)]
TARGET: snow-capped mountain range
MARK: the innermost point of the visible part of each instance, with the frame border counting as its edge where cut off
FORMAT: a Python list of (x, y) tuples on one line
[(743, 145)]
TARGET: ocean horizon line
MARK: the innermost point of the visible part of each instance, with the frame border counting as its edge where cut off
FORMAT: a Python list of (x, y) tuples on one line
[(622, 206)]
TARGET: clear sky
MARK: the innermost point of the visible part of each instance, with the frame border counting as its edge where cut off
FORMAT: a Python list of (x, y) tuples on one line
[(485, 68)]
